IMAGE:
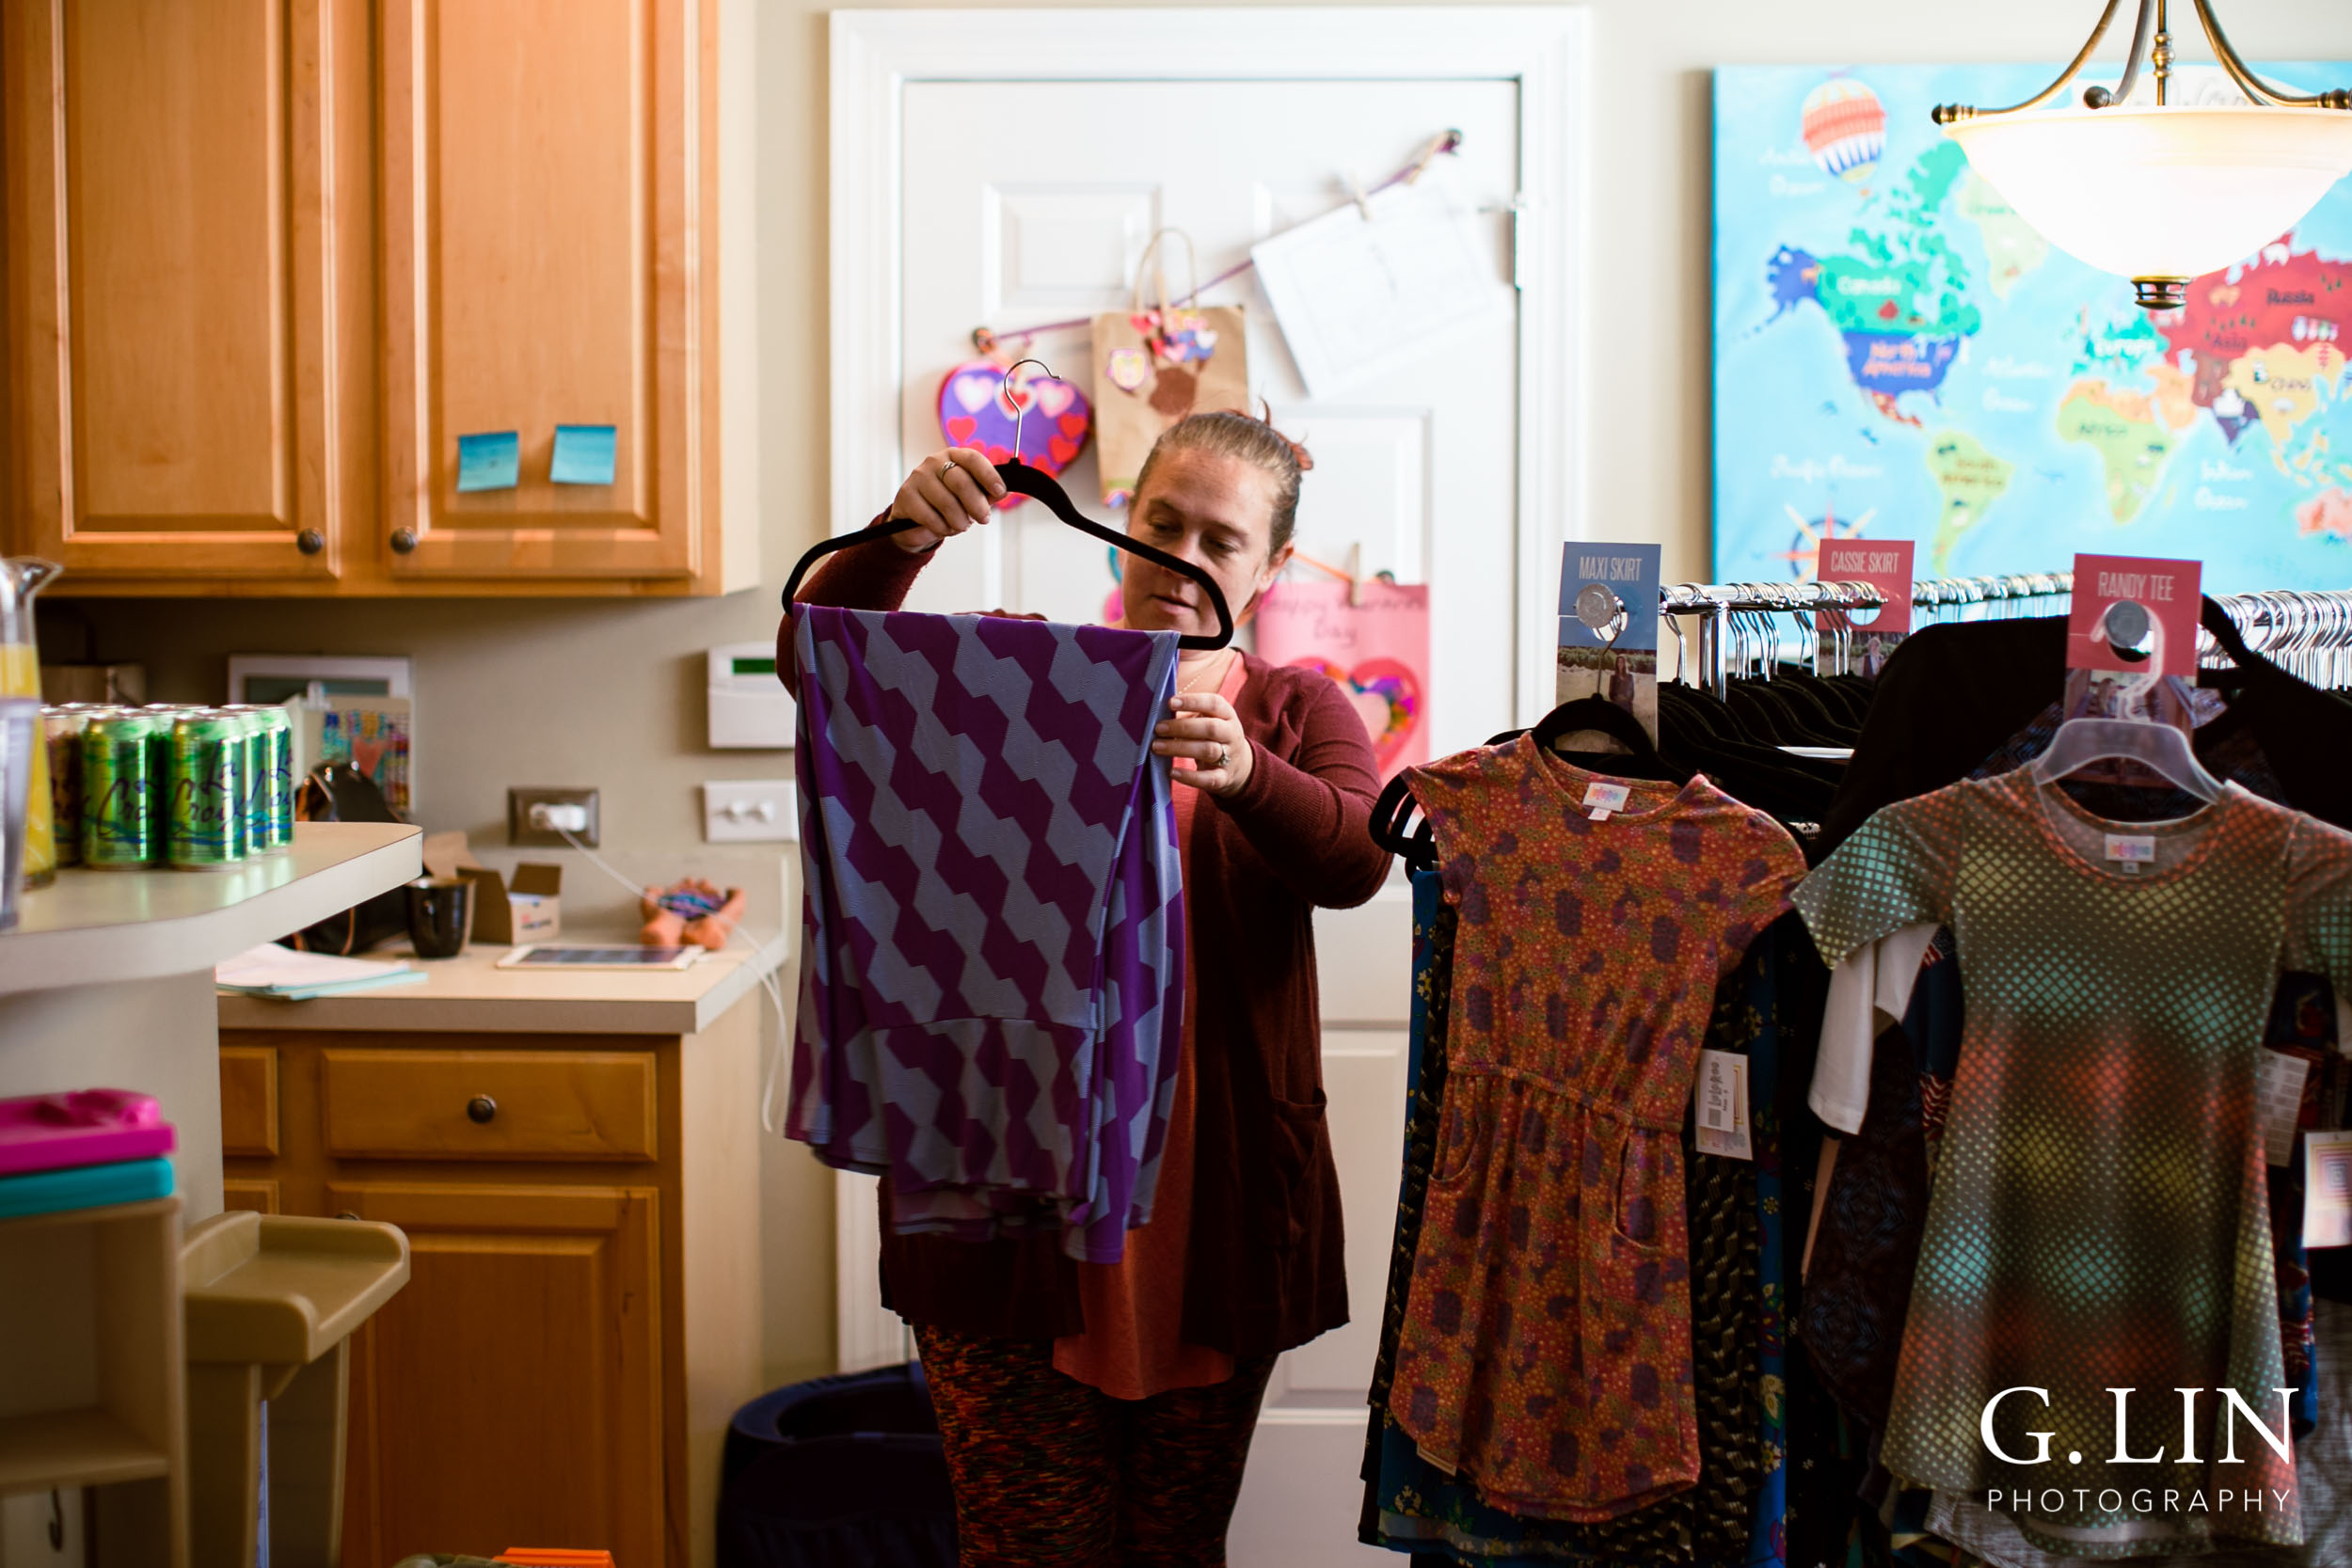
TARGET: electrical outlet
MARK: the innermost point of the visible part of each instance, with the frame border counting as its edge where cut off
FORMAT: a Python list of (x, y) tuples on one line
[(574, 810), (750, 811)]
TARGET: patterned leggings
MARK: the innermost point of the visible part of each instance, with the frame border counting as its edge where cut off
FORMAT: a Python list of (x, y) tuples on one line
[(1050, 1473)]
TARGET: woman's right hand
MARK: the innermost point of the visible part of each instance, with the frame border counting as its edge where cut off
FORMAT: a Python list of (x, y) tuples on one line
[(947, 492)]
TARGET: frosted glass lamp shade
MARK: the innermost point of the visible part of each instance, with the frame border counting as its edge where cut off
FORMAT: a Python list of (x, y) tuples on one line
[(2160, 195)]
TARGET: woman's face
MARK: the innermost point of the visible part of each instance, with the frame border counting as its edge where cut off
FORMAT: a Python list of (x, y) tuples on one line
[(1211, 511)]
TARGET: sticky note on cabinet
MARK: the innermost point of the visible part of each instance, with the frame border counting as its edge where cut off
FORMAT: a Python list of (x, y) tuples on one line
[(489, 462), (583, 454)]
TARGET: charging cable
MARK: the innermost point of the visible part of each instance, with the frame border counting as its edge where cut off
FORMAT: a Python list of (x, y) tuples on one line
[(543, 815)]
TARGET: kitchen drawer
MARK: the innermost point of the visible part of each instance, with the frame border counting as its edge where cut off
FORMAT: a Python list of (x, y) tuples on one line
[(488, 1105), (248, 1099)]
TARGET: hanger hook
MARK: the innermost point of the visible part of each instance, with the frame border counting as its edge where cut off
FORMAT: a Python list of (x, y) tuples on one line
[(1004, 390)]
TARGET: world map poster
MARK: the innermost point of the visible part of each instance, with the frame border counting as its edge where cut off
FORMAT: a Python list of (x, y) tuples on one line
[(1899, 356)]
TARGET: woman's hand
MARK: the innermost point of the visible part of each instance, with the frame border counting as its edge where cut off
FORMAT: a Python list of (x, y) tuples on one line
[(1205, 730), (946, 494)]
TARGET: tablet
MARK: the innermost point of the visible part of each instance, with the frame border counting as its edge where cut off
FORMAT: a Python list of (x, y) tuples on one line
[(541, 955)]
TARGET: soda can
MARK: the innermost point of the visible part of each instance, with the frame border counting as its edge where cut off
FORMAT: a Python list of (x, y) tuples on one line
[(278, 778), (122, 794), (252, 777), (204, 825), (61, 732)]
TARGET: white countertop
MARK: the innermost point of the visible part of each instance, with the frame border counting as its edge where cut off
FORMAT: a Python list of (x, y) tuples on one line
[(468, 993), (92, 928)]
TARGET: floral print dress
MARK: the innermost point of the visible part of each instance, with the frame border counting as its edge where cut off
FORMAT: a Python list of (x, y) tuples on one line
[(1546, 1351)]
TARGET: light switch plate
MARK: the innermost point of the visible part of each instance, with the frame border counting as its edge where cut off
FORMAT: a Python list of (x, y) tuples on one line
[(750, 811)]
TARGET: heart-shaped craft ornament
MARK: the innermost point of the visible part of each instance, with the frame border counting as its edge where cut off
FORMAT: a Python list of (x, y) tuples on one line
[(1128, 369), (1053, 430)]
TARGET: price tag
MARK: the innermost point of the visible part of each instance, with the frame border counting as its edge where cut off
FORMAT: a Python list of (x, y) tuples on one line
[(2328, 1189), (2131, 851), (1601, 798), (1720, 1095), (2279, 1100)]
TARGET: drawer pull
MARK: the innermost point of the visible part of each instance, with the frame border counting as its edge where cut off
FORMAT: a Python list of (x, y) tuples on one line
[(482, 1108), (346, 1214), (404, 541), (310, 541)]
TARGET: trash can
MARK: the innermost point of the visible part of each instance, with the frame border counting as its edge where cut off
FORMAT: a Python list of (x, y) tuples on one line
[(837, 1472)]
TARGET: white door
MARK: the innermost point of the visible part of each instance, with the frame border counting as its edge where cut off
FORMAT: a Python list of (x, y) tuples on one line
[(1025, 202)]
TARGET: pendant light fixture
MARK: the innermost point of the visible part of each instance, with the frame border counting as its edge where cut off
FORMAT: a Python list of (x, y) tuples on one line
[(2148, 186)]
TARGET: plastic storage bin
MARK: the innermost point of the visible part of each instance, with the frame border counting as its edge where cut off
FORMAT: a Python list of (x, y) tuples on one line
[(839, 1472)]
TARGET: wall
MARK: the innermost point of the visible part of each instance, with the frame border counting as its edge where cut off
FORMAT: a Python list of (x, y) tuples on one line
[(609, 694)]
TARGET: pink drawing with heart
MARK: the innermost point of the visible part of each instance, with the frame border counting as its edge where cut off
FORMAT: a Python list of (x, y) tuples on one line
[(1385, 695), (1052, 433)]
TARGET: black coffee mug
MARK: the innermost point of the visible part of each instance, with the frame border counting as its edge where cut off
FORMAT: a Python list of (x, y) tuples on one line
[(440, 917)]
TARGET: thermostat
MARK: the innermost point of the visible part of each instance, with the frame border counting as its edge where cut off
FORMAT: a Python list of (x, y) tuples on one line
[(750, 709)]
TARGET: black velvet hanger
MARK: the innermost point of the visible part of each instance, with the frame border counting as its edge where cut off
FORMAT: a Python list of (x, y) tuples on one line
[(1640, 759), (1389, 813), (1023, 479)]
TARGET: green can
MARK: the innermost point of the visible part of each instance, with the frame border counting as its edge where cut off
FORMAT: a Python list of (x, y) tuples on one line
[(204, 825), (61, 732), (252, 777), (122, 794), (277, 772)]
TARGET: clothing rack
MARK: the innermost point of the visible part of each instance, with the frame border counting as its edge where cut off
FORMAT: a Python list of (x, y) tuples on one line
[(2307, 634), (1744, 614)]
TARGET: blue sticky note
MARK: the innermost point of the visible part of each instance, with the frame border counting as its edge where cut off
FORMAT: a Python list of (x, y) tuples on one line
[(489, 462), (583, 454)]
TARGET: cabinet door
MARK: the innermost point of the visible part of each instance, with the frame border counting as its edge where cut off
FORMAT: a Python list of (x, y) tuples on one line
[(510, 1395), (188, 304), (546, 178)]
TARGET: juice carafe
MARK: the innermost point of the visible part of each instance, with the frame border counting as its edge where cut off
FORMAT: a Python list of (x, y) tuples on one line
[(19, 677)]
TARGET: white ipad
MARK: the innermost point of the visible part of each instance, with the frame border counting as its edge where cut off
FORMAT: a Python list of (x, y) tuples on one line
[(553, 956)]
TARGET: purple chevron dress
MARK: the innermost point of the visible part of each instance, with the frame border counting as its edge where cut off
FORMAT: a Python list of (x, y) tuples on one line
[(992, 967)]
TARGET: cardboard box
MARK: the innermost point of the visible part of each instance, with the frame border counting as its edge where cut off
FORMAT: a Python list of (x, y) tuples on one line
[(506, 913)]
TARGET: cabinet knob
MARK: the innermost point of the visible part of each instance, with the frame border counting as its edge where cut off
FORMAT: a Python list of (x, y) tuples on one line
[(310, 541), (346, 1214), (482, 1108), (404, 540)]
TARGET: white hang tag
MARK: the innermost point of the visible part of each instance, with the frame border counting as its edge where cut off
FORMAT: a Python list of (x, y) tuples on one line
[(2131, 851), (2278, 1101), (1721, 1097), (1600, 798), (2326, 1189)]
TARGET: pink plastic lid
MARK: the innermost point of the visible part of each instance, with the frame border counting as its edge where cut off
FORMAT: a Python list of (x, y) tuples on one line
[(88, 1126)]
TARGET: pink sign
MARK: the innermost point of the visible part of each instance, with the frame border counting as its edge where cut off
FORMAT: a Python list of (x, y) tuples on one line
[(1378, 653), (2127, 605), (1881, 563)]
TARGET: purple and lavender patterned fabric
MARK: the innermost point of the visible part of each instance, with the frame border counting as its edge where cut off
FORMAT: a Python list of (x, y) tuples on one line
[(993, 967)]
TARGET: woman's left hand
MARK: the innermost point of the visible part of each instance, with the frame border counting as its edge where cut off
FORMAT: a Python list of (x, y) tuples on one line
[(1203, 729)]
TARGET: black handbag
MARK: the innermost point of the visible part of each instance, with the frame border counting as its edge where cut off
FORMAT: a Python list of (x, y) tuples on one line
[(338, 792)]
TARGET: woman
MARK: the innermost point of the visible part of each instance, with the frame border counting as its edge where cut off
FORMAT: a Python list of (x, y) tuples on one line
[(1101, 1414)]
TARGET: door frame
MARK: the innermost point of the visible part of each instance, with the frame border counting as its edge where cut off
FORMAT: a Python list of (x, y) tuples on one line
[(1544, 50)]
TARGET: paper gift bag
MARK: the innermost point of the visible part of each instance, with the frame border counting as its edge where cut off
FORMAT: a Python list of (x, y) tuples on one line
[(1376, 651), (1154, 364)]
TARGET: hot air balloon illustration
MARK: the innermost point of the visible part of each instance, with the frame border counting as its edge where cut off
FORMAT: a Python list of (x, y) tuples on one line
[(1845, 127)]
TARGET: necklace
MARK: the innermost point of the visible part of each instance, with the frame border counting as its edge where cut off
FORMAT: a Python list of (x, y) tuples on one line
[(1222, 661)]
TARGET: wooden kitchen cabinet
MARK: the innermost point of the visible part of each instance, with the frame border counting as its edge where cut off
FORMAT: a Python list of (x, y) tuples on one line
[(268, 260), (189, 305), (582, 1212)]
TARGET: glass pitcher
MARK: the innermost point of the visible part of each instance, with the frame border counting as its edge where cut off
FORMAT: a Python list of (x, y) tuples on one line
[(20, 577)]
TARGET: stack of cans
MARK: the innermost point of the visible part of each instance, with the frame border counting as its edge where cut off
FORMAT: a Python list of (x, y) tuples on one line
[(193, 788)]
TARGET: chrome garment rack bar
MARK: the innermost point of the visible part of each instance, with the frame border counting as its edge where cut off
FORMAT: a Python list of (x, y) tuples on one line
[(1740, 622), (2307, 634)]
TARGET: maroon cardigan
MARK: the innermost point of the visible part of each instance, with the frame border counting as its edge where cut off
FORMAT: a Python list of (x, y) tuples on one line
[(1265, 1269)]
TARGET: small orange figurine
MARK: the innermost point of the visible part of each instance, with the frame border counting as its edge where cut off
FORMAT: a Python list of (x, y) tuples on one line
[(689, 913)]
